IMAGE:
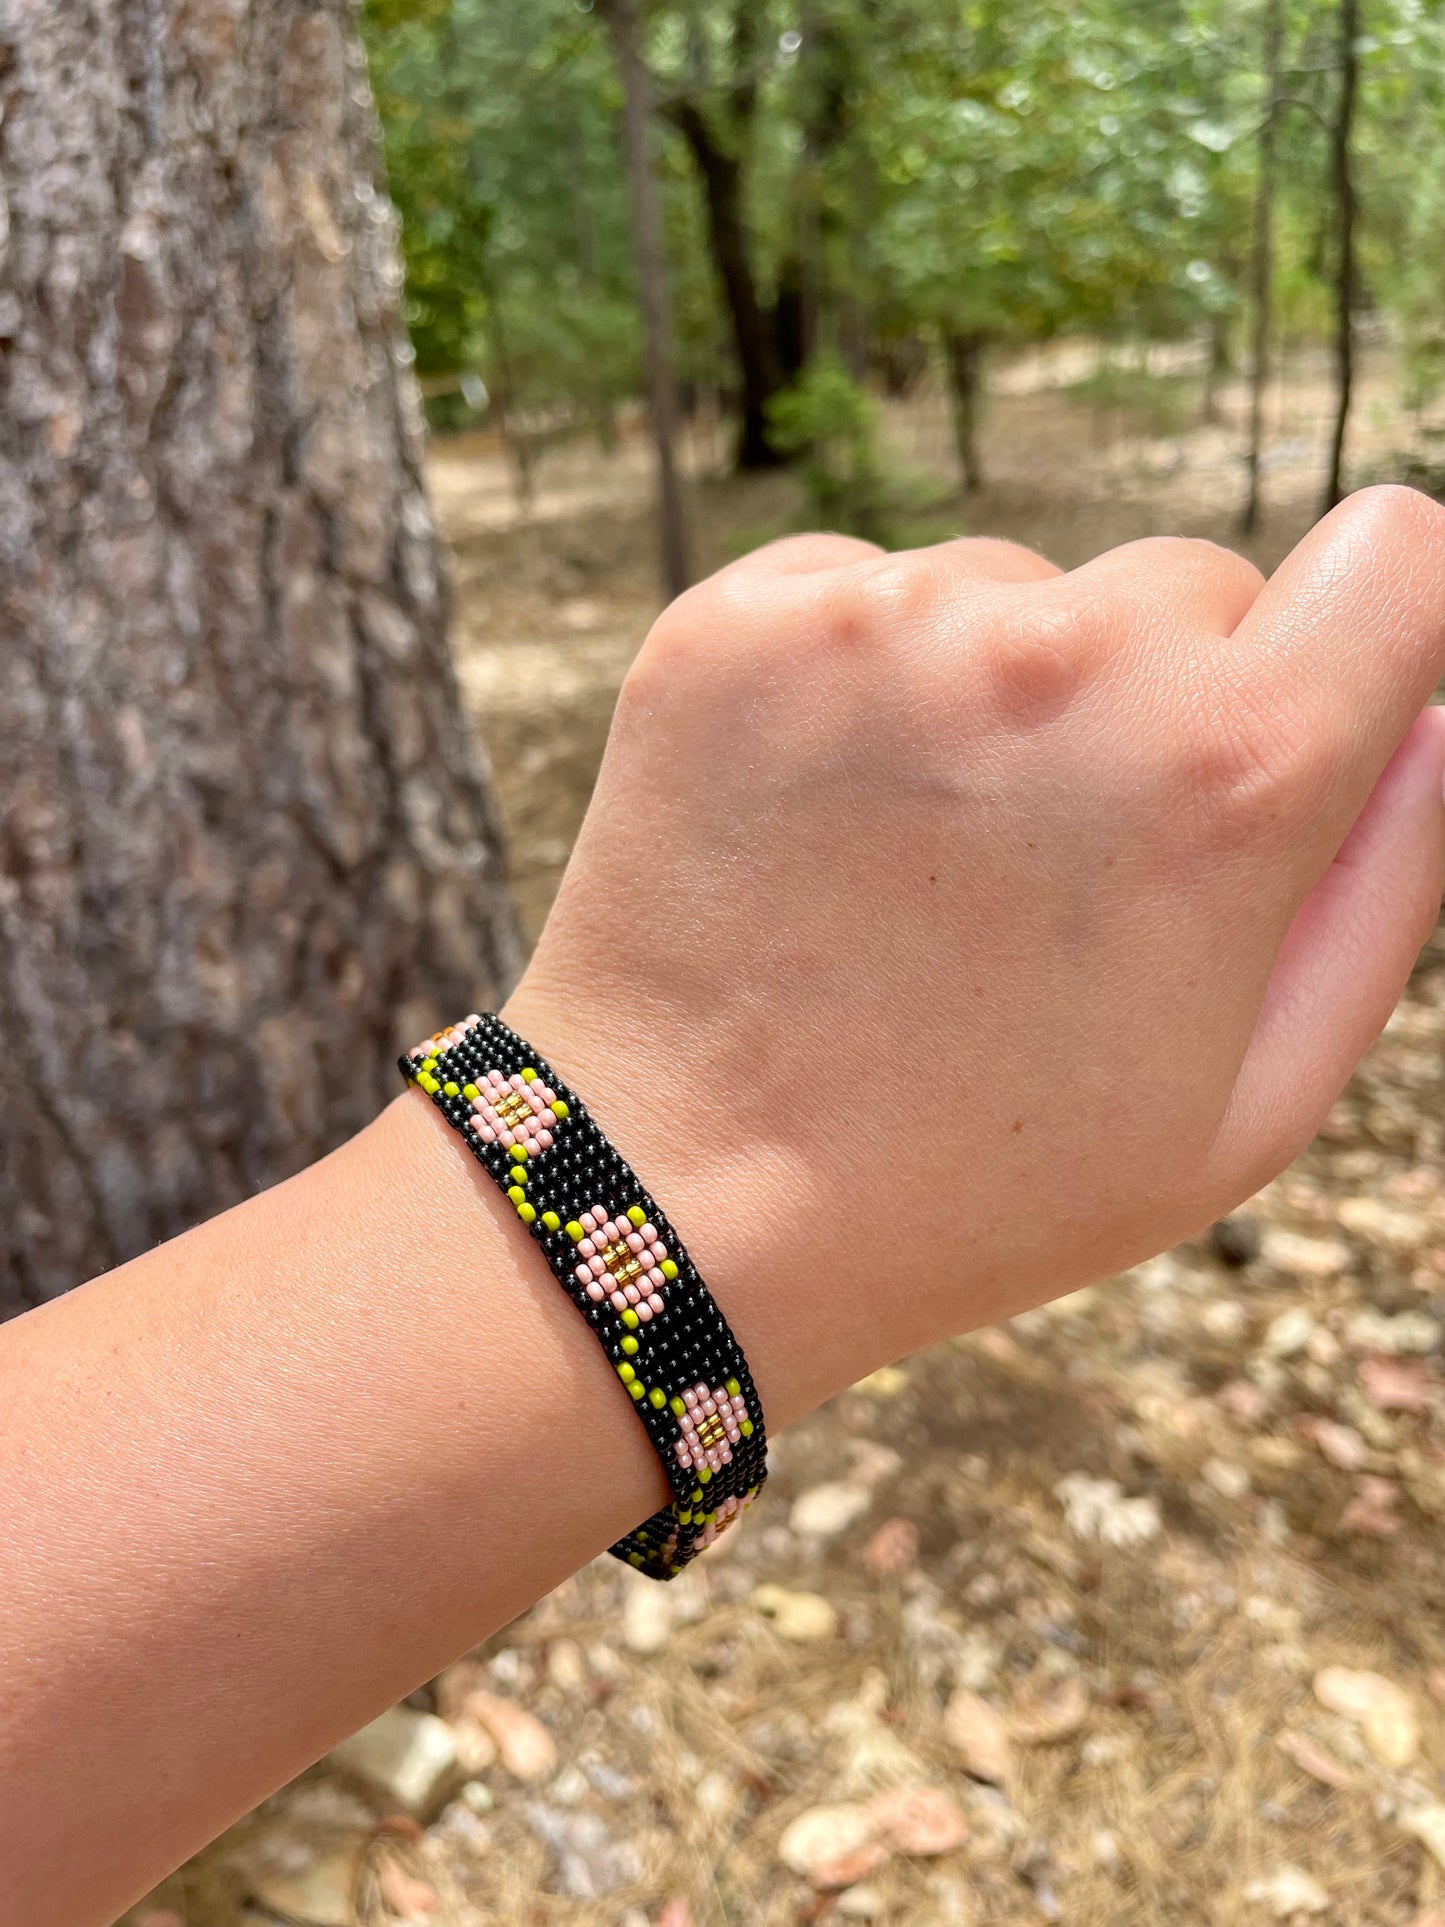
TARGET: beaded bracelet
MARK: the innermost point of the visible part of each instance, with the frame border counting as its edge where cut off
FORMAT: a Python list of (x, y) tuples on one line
[(623, 1266)]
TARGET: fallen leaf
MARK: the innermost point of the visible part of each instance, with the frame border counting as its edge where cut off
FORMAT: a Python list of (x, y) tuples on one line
[(1384, 1712), (1288, 1891), (892, 1549), (1050, 1713), (832, 1846), (979, 1736), (407, 1897), (919, 1819), (1314, 1760), (802, 1616), (525, 1747)]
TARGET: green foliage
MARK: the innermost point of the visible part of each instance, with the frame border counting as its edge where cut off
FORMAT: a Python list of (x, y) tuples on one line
[(832, 426)]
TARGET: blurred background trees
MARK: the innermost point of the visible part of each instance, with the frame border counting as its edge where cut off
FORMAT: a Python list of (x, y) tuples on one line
[(889, 189)]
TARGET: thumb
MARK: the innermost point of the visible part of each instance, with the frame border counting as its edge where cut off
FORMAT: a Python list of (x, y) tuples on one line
[(1345, 960)]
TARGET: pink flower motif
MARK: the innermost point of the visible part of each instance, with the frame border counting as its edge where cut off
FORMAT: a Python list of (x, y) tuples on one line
[(621, 1262), (710, 1427), (514, 1110)]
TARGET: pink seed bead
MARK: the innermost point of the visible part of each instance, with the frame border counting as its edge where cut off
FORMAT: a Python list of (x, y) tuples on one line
[(634, 1241), (496, 1080), (595, 1293), (544, 1138), (587, 1248), (517, 1081), (631, 1293), (583, 1274), (733, 1435), (619, 1303), (689, 1399), (655, 1302), (657, 1252), (709, 1407), (644, 1312), (487, 1134), (588, 1220), (507, 1138), (647, 1231)]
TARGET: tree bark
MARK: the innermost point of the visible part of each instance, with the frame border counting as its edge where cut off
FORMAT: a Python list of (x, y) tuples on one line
[(1263, 260), (754, 336), (653, 290), (1340, 143), (246, 844), (964, 356)]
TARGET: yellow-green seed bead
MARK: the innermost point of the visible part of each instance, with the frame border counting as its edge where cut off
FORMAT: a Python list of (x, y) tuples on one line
[(429, 1063), (696, 1493), (631, 1320), (668, 1269), (551, 1220), (518, 1152), (634, 1558), (470, 1092), (629, 1345), (746, 1428), (428, 1083), (575, 1232), (636, 1215), (733, 1388), (452, 1089), (516, 1194), (626, 1374), (685, 1518), (528, 1074), (678, 1407), (518, 1174), (559, 1109), (658, 1397), (704, 1473), (527, 1213), (635, 1389)]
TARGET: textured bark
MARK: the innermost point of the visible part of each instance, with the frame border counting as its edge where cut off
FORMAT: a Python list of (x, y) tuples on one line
[(1342, 169), (246, 847)]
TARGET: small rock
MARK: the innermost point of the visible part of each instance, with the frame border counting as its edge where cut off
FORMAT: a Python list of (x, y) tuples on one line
[(1306, 1257), (1384, 1712), (1397, 1384), (1406, 1334), (320, 1894), (408, 1897), (1235, 1241), (1314, 1760), (1243, 1401), (478, 1796), (1372, 1510), (1341, 1445), (1289, 1333), (1288, 1891), (409, 1758), (832, 1846), (801, 1616), (648, 1617), (591, 1863), (893, 1549), (525, 1747), (1384, 1224), (1427, 1823), (1227, 1476), (919, 1820), (677, 1913), (1098, 1509), (566, 1668), (860, 1903), (887, 1382), (823, 1511), (979, 1736), (1054, 1713)]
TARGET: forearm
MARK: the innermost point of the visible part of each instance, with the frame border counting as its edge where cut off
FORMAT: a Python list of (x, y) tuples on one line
[(262, 1482)]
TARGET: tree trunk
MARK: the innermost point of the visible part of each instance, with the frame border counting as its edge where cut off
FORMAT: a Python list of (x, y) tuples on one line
[(653, 290), (964, 356), (246, 845), (1340, 140), (1263, 260), (754, 334)]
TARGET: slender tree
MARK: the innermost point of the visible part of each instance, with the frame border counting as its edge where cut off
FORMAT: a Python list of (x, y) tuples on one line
[(1262, 275), (653, 288), (1342, 168), (246, 845)]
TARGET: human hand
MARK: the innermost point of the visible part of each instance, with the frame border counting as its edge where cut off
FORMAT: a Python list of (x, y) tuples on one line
[(946, 930)]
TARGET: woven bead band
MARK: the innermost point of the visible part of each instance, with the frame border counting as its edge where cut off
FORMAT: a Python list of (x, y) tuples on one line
[(624, 1268)]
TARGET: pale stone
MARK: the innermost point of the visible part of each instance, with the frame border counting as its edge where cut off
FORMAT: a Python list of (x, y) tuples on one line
[(979, 1736), (1384, 1712), (1427, 1823), (800, 1616), (1306, 1257), (321, 1894), (407, 1757), (525, 1747), (1289, 1333), (919, 1820), (1288, 1891), (826, 1844), (823, 1511), (1407, 1333)]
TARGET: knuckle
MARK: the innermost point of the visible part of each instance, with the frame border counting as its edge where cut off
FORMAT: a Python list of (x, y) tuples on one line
[(1036, 656), (1247, 766), (872, 604)]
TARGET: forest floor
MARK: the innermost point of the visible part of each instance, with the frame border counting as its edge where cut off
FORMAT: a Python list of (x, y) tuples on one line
[(1141, 1598)]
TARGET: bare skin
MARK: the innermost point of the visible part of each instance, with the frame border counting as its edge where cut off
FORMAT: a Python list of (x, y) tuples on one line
[(1016, 922)]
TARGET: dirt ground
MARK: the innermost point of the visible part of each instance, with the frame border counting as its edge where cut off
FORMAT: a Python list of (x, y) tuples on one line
[(1139, 1599)]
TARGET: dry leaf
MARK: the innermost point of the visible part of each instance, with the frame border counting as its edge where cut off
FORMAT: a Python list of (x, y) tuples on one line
[(892, 1549), (1398, 1384), (1314, 1760), (979, 1736), (406, 1896)]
